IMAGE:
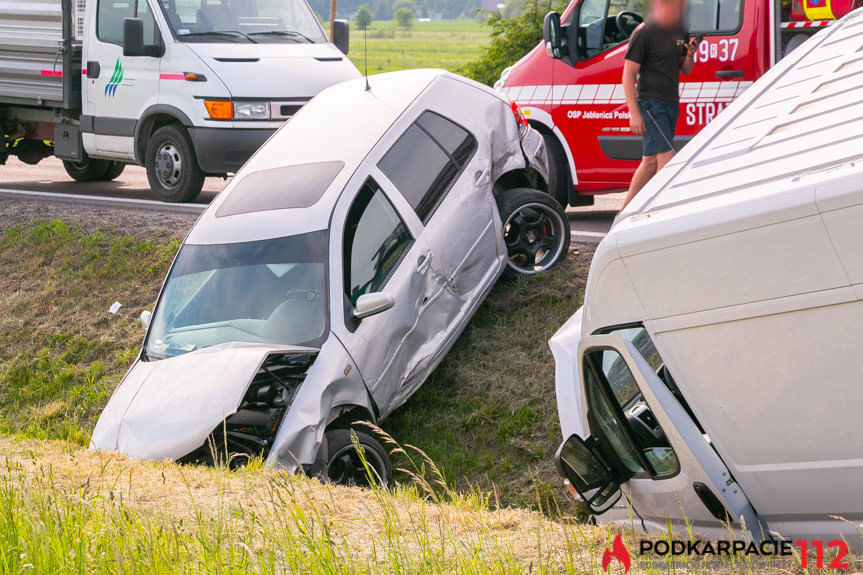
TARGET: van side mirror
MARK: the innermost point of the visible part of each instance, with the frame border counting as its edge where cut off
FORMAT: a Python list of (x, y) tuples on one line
[(552, 35), (596, 482), (342, 35), (372, 304), (145, 318), (133, 40)]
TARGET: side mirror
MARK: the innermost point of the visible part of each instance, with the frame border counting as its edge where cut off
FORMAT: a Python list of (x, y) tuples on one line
[(372, 304), (342, 35), (133, 40), (552, 35), (146, 316), (595, 482)]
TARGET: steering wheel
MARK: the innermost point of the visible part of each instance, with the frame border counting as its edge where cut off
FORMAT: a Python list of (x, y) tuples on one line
[(627, 21)]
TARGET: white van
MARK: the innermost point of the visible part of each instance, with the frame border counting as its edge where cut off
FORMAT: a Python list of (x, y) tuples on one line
[(715, 369), (187, 88)]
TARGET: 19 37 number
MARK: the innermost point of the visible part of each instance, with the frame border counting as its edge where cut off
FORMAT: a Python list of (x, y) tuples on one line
[(723, 50)]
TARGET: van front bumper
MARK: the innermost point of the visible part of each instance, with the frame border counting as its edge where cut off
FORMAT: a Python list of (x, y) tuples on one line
[(223, 151)]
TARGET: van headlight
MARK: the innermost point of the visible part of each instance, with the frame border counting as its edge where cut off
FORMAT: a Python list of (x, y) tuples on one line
[(251, 110)]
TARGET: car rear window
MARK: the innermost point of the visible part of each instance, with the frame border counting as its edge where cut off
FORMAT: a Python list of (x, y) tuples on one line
[(427, 159), (287, 187)]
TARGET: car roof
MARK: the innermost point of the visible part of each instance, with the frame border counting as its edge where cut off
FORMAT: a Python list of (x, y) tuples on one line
[(342, 123), (796, 120)]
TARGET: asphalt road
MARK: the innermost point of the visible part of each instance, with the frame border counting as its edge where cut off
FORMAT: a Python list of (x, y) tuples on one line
[(48, 178)]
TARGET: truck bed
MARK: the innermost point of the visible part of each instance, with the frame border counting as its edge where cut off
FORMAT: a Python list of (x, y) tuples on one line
[(40, 55)]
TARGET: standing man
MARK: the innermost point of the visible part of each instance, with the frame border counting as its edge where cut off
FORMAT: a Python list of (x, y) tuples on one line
[(658, 53)]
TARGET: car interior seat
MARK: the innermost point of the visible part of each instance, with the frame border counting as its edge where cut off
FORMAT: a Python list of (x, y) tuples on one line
[(217, 16)]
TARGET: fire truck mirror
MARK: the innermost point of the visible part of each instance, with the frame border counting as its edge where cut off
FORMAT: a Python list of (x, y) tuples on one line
[(552, 35)]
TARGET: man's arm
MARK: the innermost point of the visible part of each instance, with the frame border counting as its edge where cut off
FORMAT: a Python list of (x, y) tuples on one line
[(630, 76)]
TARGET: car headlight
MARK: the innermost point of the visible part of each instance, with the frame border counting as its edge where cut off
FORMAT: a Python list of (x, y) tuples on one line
[(252, 110)]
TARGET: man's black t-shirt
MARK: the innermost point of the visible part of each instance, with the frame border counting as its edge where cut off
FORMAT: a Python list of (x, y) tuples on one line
[(660, 52)]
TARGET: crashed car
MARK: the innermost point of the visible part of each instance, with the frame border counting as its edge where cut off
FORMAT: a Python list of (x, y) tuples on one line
[(327, 281)]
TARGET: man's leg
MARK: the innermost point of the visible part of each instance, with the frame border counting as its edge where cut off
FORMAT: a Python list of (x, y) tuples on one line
[(663, 158), (646, 170)]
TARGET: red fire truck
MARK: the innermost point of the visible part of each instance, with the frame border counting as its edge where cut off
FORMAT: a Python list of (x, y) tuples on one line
[(569, 86)]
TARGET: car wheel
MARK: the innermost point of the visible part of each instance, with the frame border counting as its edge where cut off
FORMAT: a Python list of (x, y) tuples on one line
[(794, 42), (559, 179), (172, 167), (87, 170), (344, 465), (114, 171), (535, 229)]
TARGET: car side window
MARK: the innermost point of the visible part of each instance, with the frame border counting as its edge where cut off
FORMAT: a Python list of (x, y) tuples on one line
[(111, 13), (623, 416), (375, 241), (426, 160)]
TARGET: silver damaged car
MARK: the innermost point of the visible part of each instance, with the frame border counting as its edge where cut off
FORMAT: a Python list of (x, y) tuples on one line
[(333, 274)]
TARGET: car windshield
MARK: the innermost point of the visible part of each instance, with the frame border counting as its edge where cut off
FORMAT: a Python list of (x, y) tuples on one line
[(243, 21), (269, 291)]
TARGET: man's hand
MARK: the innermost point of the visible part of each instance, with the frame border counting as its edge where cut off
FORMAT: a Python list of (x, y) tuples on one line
[(689, 59), (636, 122)]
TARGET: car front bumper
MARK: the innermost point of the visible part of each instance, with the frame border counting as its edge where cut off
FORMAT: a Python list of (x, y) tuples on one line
[(223, 151)]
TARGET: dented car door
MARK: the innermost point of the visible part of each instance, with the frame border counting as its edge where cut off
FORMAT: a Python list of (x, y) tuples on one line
[(437, 165)]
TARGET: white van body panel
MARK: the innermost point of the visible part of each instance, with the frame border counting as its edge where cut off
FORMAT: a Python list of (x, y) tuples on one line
[(742, 260)]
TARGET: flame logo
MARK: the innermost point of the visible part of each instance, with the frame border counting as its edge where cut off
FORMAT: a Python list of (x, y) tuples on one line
[(618, 551)]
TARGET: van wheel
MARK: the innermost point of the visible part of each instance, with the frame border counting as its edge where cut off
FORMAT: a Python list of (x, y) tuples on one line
[(172, 167), (559, 178), (535, 229), (87, 170), (344, 466), (114, 171)]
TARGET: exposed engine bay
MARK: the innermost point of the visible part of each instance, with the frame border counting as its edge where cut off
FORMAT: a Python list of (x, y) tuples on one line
[(251, 430)]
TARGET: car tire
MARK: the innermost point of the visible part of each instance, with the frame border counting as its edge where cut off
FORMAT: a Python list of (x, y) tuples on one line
[(172, 167), (87, 170), (559, 178), (794, 42), (344, 466), (535, 229), (114, 171)]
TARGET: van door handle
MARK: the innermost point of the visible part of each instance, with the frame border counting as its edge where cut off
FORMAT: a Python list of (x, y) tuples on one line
[(423, 262), (93, 69), (730, 73)]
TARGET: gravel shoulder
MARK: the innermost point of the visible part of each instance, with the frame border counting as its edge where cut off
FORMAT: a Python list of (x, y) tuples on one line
[(143, 223)]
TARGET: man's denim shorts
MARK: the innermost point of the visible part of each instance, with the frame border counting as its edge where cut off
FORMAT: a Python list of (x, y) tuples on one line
[(659, 122)]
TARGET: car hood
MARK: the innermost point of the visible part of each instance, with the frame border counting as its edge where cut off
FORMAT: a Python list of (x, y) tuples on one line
[(165, 409), (276, 71)]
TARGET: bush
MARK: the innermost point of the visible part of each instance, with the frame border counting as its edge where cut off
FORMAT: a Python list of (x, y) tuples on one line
[(363, 17), (511, 38), (404, 18)]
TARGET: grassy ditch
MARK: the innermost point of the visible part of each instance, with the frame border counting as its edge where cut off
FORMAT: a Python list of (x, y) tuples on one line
[(61, 352), (487, 416)]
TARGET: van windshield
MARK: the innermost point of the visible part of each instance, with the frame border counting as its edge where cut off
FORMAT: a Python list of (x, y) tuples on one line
[(243, 21), (269, 291)]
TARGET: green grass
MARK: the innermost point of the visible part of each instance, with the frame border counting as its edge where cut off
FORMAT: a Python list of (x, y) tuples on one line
[(447, 44), (62, 353)]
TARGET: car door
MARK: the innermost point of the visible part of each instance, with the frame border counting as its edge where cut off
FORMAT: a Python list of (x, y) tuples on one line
[(117, 89), (380, 249), (674, 474), (437, 165)]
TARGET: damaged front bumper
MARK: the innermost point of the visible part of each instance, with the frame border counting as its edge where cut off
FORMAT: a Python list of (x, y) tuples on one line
[(213, 404)]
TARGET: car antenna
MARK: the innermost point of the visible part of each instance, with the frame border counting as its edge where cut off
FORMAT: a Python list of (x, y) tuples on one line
[(366, 56)]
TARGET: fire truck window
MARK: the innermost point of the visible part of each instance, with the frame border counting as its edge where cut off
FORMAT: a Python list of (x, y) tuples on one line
[(598, 25), (714, 15)]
